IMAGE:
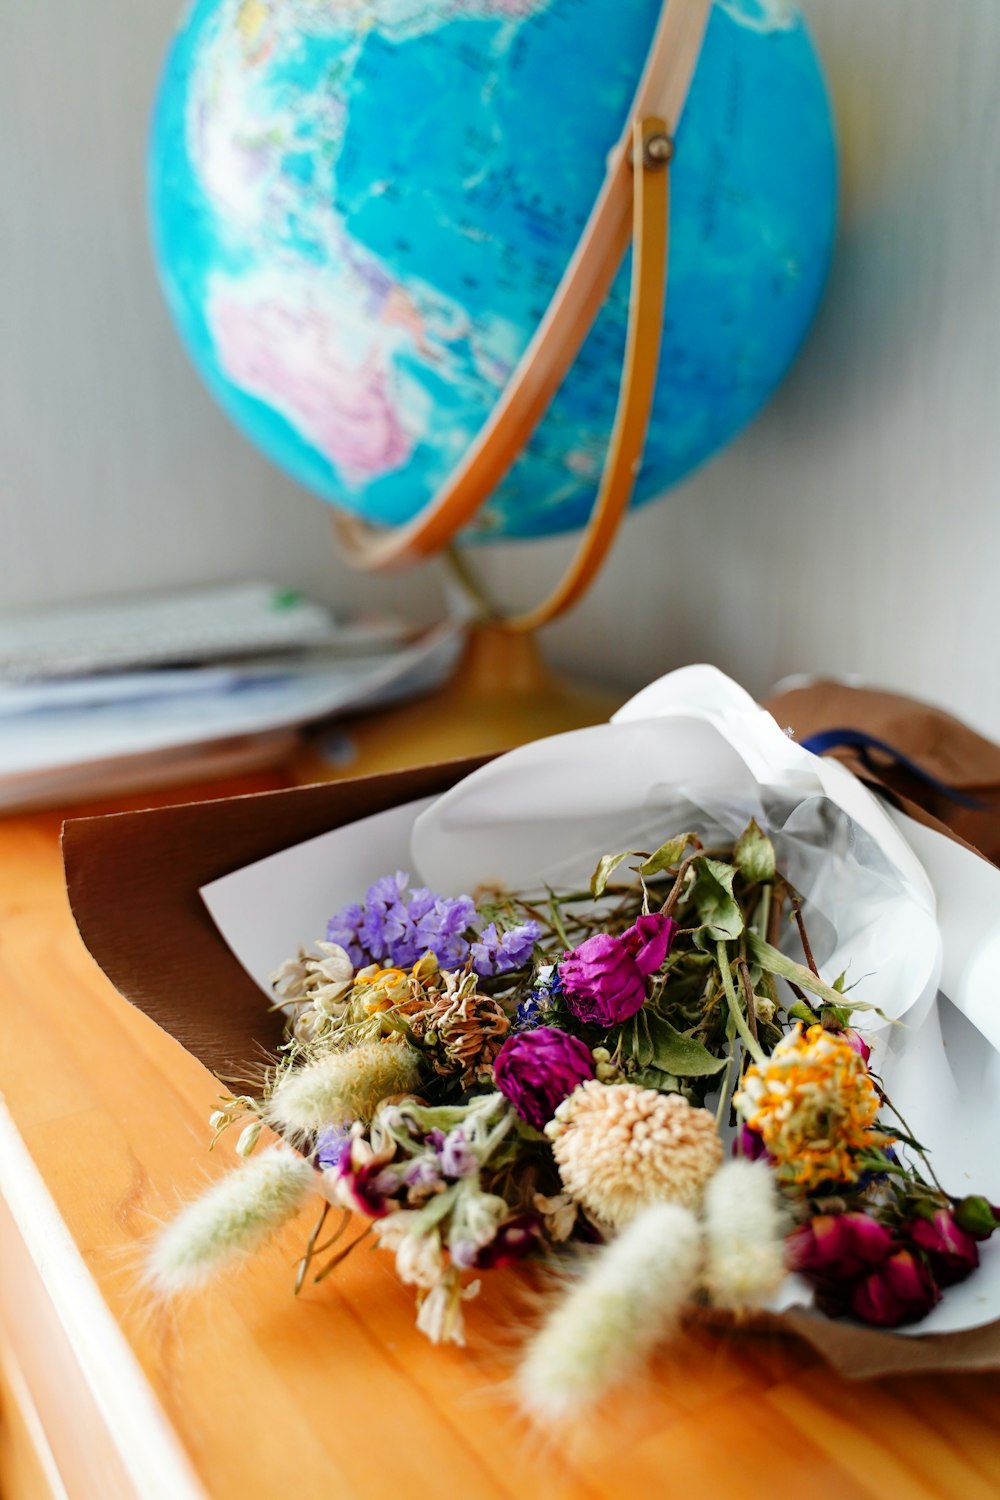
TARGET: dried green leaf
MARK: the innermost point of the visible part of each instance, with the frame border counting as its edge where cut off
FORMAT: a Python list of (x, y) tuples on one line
[(786, 968), (676, 1052), (754, 855), (606, 867), (713, 897), (668, 856)]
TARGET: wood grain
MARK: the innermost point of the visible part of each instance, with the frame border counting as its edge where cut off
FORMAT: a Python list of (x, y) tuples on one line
[(336, 1394)]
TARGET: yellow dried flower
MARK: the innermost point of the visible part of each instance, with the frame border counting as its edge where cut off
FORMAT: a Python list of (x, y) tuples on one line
[(813, 1104), (380, 989), (620, 1148)]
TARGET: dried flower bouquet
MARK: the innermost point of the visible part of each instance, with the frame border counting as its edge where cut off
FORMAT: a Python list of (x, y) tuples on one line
[(637, 1071)]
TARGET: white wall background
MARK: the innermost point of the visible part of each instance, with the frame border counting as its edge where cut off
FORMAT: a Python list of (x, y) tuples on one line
[(854, 529)]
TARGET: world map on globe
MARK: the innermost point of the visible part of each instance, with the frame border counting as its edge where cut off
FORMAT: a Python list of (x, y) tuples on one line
[(361, 209)]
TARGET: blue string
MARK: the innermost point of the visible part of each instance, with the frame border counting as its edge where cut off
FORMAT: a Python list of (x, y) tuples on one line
[(856, 739)]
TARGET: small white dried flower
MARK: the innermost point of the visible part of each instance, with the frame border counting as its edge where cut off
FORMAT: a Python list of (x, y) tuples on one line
[(231, 1218), (744, 1236), (559, 1213), (218, 1118), (342, 1087), (439, 1316), (419, 1260), (249, 1136), (628, 1300), (419, 1257)]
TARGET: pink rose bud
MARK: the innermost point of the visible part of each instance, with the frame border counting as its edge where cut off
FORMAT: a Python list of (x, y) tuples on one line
[(601, 981), (900, 1290), (649, 940), (951, 1251), (857, 1043), (750, 1143), (839, 1247)]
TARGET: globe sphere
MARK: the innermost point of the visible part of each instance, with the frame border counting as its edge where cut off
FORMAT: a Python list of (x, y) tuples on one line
[(360, 210)]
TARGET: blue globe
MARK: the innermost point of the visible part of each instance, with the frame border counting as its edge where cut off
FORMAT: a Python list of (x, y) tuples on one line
[(361, 208)]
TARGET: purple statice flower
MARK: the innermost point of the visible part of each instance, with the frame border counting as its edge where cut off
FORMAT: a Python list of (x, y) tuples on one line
[(423, 1172), (499, 953), (442, 927), (344, 928), (537, 1070), (383, 902), (398, 926), (425, 922), (457, 1158), (330, 1146)]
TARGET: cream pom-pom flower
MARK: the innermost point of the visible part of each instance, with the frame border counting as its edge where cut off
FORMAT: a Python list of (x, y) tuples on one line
[(619, 1148)]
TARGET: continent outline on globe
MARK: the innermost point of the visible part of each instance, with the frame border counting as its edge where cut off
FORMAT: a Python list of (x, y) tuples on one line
[(357, 302)]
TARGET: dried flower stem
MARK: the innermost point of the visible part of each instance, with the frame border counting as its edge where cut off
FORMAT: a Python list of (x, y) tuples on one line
[(803, 935), (342, 1255), (744, 973), (749, 1041)]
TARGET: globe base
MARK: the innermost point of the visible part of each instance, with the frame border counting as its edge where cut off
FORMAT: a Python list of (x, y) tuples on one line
[(501, 694)]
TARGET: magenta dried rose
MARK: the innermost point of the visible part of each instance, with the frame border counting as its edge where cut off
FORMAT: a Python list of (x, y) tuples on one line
[(648, 941), (951, 1251), (537, 1070), (857, 1043), (900, 1290), (750, 1144), (839, 1247), (604, 979)]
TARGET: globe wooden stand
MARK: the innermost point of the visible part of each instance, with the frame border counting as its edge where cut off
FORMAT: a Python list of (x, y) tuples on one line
[(501, 694)]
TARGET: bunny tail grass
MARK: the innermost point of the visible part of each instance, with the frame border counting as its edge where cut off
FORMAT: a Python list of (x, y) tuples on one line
[(744, 1236), (606, 1325), (235, 1215), (343, 1087)]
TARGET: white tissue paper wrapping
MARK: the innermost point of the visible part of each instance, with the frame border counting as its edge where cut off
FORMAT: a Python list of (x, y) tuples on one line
[(912, 917)]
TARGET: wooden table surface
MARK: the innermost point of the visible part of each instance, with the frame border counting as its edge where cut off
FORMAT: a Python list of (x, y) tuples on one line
[(336, 1395)]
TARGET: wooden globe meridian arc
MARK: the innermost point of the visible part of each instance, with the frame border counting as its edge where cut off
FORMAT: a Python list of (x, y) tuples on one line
[(502, 693)]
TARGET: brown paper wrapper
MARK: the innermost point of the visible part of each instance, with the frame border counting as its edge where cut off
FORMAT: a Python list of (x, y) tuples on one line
[(939, 745), (134, 879)]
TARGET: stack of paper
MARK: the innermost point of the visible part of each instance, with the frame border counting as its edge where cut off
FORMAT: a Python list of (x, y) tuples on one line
[(117, 697)]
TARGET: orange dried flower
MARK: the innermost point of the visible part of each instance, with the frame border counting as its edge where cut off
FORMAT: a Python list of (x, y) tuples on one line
[(813, 1104)]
